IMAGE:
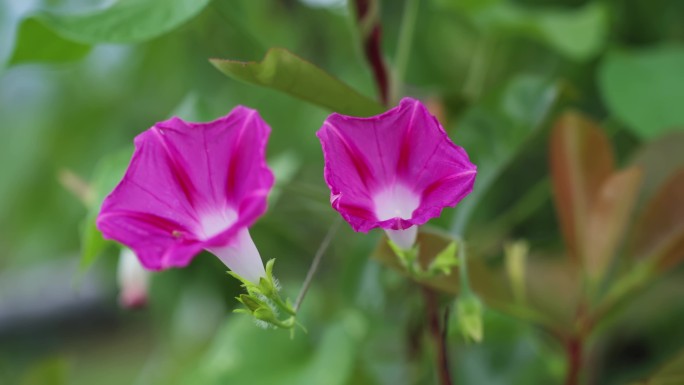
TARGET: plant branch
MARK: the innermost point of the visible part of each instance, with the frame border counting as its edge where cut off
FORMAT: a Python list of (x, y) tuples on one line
[(573, 349), (369, 23), (315, 262), (438, 336)]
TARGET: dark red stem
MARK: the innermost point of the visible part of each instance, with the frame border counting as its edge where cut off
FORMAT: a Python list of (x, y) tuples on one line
[(438, 336), (573, 350), (372, 49)]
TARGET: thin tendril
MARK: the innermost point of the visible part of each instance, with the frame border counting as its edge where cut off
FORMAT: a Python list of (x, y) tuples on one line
[(316, 261)]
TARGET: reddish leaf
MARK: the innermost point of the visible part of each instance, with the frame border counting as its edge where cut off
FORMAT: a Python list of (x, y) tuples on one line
[(659, 160), (659, 231), (581, 159), (608, 219)]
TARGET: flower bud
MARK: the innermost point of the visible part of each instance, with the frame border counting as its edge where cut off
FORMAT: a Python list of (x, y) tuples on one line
[(133, 281)]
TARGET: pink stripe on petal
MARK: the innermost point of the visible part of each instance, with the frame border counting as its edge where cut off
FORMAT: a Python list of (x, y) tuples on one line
[(405, 151), (393, 170), (179, 172), (190, 186), (357, 159)]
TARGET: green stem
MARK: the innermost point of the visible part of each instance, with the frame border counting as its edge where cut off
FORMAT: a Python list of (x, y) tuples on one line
[(316, 261), (401, 59), (463, 267)]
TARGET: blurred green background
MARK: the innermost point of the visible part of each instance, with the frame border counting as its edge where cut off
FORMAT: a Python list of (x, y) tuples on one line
[(81, 78)]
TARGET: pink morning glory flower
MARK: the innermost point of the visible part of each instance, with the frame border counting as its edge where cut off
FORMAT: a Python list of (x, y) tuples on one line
[(193, 187), (395, 171)]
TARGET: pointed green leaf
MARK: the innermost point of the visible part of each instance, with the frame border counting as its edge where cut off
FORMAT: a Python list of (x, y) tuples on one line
[(106, 176), (288, 73)]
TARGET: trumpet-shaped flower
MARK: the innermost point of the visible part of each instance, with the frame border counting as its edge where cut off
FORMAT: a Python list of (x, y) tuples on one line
[(193, 187), (395, 171)]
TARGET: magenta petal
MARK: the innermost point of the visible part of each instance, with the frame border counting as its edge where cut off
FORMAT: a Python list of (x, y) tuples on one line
[(394, 170), (190, 186)]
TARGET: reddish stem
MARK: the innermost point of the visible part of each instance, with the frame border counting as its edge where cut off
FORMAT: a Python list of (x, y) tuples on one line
[(438, 336), (573, 350), (372, 48)]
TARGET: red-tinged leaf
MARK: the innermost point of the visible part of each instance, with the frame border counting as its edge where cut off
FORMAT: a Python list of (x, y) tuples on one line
[(608, 219), (581, 158), (659, 231), (659, 160)]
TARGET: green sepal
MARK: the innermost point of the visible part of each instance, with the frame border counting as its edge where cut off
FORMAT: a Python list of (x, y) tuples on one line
[(263, 302), (444, 261), (407, 258)]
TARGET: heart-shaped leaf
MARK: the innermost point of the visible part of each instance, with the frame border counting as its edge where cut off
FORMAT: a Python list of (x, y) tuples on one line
[(645, 89)]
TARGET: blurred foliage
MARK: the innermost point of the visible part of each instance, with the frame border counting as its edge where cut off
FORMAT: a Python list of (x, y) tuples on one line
[(570, 109)]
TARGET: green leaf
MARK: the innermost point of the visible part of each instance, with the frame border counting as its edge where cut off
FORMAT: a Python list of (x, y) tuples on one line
[(37, 43), (645, 89), (578, 34), (288, 73), (495, 131), (126, 21), (106, 176)]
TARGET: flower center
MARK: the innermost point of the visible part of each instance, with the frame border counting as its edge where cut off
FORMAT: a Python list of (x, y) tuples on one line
[(396, 201), (215, 222)]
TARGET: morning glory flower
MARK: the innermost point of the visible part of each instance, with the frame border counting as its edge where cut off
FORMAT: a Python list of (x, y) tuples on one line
[(193, 187), (395, 171)]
